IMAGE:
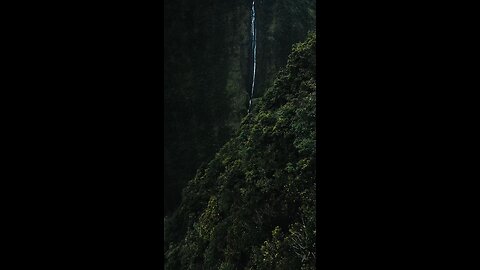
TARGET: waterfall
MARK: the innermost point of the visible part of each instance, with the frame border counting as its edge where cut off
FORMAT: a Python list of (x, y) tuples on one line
[(254, 52)]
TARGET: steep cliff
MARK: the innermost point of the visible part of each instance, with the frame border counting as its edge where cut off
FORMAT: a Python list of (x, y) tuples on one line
[(253, 205), (208, 73)]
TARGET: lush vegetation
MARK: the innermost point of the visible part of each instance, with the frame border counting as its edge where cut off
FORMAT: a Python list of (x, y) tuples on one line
[(253, 205), (207, 74)]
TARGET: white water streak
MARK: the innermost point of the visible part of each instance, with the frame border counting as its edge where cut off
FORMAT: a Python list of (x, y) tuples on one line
[(254, 50)]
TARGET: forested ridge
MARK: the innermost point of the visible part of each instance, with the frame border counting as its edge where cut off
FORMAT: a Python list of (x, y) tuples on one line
[(253, 205), (208, 74)]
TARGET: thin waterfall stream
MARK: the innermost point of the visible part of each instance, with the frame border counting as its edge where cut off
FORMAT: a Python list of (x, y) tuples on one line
[(254, 52)]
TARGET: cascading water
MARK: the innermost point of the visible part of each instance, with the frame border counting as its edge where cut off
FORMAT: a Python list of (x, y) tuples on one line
[(254, 51)]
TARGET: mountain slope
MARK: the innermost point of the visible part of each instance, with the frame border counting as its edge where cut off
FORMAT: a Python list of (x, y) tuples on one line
[(253, 205), (208, 74)]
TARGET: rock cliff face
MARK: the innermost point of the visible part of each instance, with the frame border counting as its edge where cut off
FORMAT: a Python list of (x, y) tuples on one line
[(207, 73), (281, 23)]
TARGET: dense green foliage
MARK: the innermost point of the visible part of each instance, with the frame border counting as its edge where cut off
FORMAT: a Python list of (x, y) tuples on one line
[(207, 74), (253, 205)]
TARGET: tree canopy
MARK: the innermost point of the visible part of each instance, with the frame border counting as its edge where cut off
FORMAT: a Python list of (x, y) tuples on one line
[(253, 205)]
